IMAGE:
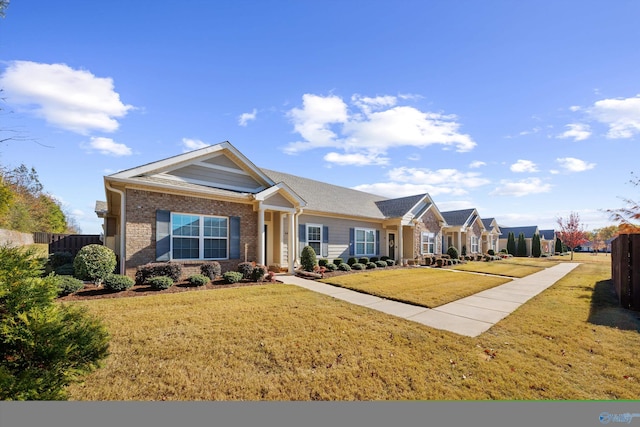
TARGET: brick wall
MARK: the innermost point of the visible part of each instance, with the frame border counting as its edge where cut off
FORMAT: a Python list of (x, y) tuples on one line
[(141, 226)]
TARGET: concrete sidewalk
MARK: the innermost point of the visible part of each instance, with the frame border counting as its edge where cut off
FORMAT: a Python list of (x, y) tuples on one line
[(468, 316)]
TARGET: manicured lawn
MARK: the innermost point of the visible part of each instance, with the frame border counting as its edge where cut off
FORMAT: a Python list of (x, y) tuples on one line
[(280, 342), (428, 287), (511, 267)]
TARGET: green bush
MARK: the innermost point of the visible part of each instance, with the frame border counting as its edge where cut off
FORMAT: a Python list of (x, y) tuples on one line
[(491, 252), (358, 266), (118, 282), (68, 285), (44, 346), (308, 258), (390, 262), (58, 259), (198, 280), (452, 252), (381, 264), (352, 260), (160, 282), (364, 260), (374, 259), (257, 275), (155, 269), (94, 262), (232, 276), (64, 270), (246, 268), (211, 269), (371, 265), (344, 267), (331, 267), (338, 261), (322, 262)]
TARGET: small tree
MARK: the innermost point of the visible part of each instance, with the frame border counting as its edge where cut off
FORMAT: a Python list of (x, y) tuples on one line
[(453, 252), (44, 345), (511, 244), (522, 246), (94, 262), (572, 232), (308, 258), (536, 246), (558, 249)]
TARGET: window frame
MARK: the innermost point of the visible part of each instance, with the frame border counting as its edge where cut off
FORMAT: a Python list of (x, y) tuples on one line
[(318, 241), (201, 237), (365, 242), (475, 245), (430, 243)]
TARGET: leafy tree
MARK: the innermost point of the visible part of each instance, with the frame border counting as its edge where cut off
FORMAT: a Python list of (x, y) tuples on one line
[(629, 215), (44, 345), (536, 246), (511, 243), (572, 232), (521, 249)]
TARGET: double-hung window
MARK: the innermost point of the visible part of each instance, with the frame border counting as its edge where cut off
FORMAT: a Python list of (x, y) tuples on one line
[(365, 240), (474, 245), (314, 237), (199, 237), (427, 242)]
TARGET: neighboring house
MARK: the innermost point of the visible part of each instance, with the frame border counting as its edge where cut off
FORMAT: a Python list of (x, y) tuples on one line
[(528, 232), (548, 241), (491, 235), (464, 228), (215, 204)]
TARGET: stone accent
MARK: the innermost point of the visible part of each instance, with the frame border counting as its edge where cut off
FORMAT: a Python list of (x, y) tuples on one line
[(141, 226), (428, 223)]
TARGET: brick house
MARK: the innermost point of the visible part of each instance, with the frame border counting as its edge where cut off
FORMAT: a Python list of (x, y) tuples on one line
[(464, 230), (215, 204)]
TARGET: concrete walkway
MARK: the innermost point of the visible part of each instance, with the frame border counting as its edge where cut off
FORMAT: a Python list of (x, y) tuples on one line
[(468, 316)]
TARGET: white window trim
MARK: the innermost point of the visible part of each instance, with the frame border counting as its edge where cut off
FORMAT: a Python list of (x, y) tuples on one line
[(355, 241), (475, 248), (430, 241), (319, 253), (201, 237)]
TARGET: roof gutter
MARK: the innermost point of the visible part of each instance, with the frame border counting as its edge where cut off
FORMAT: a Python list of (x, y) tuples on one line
[(123, 223)]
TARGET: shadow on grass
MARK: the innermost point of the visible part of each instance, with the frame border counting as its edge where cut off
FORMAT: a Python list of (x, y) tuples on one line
[(606, 310)]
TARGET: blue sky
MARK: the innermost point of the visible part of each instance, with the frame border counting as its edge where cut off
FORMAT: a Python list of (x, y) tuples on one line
[(524, 110)]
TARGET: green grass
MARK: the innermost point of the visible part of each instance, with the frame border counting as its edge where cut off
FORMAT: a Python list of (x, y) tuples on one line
[(280, 342), (511, 267), (428, 287)]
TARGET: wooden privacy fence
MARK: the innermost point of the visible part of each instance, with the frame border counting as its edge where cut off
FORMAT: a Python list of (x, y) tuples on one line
[(625, 269), (71, 242)]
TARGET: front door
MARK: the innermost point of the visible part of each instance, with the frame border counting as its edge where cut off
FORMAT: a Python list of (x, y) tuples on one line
[(391, 238)]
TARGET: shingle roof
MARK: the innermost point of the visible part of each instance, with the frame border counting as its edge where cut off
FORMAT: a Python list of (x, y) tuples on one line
[(528, 231), (547, 234), (394, 208), (459, 217), (487, 222)]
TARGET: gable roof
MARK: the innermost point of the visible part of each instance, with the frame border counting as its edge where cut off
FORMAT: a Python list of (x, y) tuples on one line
[(457, 218), (548, 234), (528, 231), (393, 208), (489, 223)]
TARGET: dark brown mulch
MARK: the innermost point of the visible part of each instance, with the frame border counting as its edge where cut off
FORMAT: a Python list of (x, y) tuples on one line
[(91, 291)]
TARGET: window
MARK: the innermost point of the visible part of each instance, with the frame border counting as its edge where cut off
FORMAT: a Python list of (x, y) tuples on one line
[(199, 237), (427, 242), (314, 237), (365, 241), (474, 245)]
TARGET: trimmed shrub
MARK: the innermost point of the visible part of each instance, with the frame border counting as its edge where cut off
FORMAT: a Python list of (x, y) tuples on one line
[(384, 258), (308, 258), (257, 275), (381, 264), (440, 262), (58, 259), (94, 262), (338, 261), (69, 285), (363, 260), (246, 268), (332, 267), (374, 259), (160, 282), (198, 280), (352, 260), (232, 276), (117, 282), (358, 266), (322, 262), (64, 270), (371, 265), (390, 262), (464, 250), (155, 269), (503, 251), (344, 267), (452, 252), (211, 269), (491, 252)]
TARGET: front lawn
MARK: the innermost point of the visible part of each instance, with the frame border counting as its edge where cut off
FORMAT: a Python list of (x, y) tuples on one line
[(428, 287), (510, 267)]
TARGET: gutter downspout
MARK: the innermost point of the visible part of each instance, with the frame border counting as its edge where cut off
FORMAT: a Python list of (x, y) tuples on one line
[(122, 225)]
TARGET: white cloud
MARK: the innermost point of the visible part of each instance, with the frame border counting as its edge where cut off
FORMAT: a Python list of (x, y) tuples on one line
[(524, 166), (622, 115), (521, 188), (70, 99), (477, 164), (577, 131), (189, 144), (244, 118), (404, 181), (355, 159), (377, 125), (571, 164), (575, 108), (108, 146)]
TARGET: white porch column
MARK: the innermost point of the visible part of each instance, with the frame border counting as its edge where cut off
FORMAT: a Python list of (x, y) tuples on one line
[(460, 241), (400, 244), (291, 244), (261, 236)]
